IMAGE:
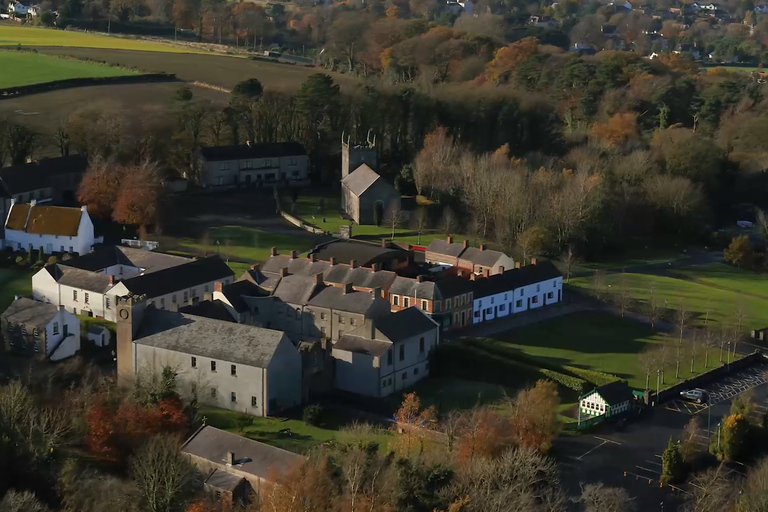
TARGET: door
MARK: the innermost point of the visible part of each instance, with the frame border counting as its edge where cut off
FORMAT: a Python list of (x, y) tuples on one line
[(66, 330), (48, 248), (247, 180)]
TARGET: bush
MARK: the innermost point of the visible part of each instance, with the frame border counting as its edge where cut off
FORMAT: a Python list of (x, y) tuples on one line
[(672, 465), (595, 377), (313, 415)]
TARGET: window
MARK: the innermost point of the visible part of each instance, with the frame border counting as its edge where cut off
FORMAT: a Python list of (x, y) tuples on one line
[(295, 174), (395, 300), (213, 366), (535, 299), (447, 304), (405, 375), (538, 287), (233, 370), (550, 295), (502, 307), (162, 303), (491, 300), (291, 161), (71, 249), (55, 327), (213, 392), (415, 371), (35, 332), (389, 357), (233, 397), (173, 299), (206, 288), (322, 329), (436, 306), (477, 314), (341, 319), (106, 302), (352, 321), (522, 292), (456, 318), (421, 345), (402, 352), (489, 310), (186, 297), (406, 302), (24, 330), (323, 316), (225, 166), (194, 293), (194, 362), (267, 163), (424, 305), (519, 304), (254, 401), (74, 295)]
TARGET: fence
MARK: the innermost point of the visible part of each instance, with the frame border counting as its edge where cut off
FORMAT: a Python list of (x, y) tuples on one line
[(141, 244), (296, 221)]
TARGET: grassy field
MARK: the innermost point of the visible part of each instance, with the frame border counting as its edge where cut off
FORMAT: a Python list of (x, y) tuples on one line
[(13, 282), (12, 35), (24, 68), (598, 341), (710, 293), (302, 437), (245, 243)]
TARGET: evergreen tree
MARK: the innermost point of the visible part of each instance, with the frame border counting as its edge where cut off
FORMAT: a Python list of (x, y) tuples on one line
[(672, 465)]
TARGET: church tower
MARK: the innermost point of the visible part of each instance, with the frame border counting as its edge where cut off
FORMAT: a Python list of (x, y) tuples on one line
[(353, 156)]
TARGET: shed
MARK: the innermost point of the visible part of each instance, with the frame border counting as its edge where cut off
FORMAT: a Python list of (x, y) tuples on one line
[(99, 335), (609, 400)]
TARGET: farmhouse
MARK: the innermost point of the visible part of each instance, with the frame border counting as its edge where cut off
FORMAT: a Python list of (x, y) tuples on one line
[(609, 400), (41, 330), (267, 164), (233, 366), (233, 466), (52, 228)]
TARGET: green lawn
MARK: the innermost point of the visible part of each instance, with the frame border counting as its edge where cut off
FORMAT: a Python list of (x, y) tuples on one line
[(25, 68), (302, 437), (14, 282), (599, 341), (11, 35), (697, 297), (246, 243), (722, 275)]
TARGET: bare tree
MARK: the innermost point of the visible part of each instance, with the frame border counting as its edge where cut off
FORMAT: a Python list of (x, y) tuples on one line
[(599, 498), (569, 261), (740, 315), (21, 501), (394, 216), (709, 339), (754, 493), (621, 297), (598, 286), (711, 491), (163, 475), (449, 220), (420, 222), (649, 362), (681, 321), (652, 307), (692, 342), (690, 442)]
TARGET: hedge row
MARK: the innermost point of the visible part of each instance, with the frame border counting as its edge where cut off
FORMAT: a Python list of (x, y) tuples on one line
[(594, 377), (22, 90)]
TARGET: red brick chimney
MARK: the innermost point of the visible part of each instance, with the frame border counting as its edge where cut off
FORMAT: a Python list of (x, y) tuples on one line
[(376, 267), (533, 261), (312, 257), (218, 286), (383, 242), (273, 251), (449, 239), (333, 260), (517, 264), (353, 263), (482, 247), (419, 279), (293, 255), (472, 276), (256, 267), (283, 271)]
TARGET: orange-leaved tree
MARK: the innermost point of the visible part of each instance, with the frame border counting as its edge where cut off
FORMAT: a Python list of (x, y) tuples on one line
[(618, 129), (100, 187), (412, 423), (533, 420), (140, 191), (307, 486), (482, 432), (508, 58)]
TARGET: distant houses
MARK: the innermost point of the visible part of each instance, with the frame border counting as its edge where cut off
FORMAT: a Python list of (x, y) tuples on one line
[(253, 165)]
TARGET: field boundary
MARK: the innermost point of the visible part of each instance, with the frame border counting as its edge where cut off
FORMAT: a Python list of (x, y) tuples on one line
[(70, 83)]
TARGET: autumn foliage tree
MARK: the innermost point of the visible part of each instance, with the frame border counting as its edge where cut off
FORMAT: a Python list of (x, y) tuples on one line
[(100, 188), (482, 432), (139, 195), (305, 487), (534, 421), (508, 58), (412, 421), (618, 129)]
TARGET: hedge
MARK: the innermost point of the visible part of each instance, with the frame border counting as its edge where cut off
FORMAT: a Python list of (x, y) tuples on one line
[(595, 377)]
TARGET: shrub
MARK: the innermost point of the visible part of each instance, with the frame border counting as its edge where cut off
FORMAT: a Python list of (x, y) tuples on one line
[(52, 260), (672, 465), (595, 377), (313, 415)]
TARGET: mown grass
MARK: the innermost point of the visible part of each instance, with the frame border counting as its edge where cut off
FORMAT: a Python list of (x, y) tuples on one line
[(25, 68), (302, 437), (14, 282), (726, 276), (244, 243), (11, 35)]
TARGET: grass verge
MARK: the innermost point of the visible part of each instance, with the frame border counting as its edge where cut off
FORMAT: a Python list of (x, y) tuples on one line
[(25, 68)]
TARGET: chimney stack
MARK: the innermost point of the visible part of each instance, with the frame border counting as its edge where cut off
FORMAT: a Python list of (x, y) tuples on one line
[(517, 264), (230, 458), (293, 255), (383, 242), (319, 278), (533, 261), (207, 296), (313, 257), (353, 263), (376, 267), (256, 267), (273, 251), (482, 247), (472, 276), (111, 279), (486, 273), (501, 270), (465, 243), (419, 279), (218, 286), (283, 271), (347, 288), (449, 239), (333, 260)]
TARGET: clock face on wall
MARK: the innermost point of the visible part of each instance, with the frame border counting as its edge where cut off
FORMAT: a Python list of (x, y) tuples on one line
[(124, 314)]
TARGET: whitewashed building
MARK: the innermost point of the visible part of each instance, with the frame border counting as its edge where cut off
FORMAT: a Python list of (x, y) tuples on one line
[(40, 330), (54, 228), (385, 355), (514, 291), (607, 400), (90, 284)]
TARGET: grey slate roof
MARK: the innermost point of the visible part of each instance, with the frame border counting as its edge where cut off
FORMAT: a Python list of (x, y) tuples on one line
[(413, 288), (235, 292), (443, 247), (296, 289), (37, 175), (30, 312), (217, 339), (77, 278), (452, 286), (515, 278), (361, 345), (486, 258), (364, 253), (333, 297), (360, 180), (169, 280), (214, 309), (220, 479), (295, 266), (118, 255), (362, 277), (253, 457), (404, 324), (265, 150), (615, 393)]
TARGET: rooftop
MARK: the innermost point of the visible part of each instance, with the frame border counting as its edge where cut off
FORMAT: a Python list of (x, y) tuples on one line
[(404, 324), (205, 337), (30, 312), (333, 297), (105, 257), (360, 180), (615, 392), (78, 278), (169, 280), (44, 220), (362, 345), (36, 175), (364, 253), (220, 479), (515, 278), (265, 150), (447, 247), (252, 457)]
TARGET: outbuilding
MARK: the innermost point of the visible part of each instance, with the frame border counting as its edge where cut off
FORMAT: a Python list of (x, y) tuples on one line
[(608, 400)]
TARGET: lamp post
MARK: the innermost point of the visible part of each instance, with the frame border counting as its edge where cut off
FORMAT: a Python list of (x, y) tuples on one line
[(709, 419), (658, 375)]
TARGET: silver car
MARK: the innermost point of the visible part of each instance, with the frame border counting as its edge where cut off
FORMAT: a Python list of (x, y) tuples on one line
[(694, 395)]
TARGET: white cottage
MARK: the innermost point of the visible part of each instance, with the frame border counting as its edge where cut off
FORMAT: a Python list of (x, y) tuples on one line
[(608, 400), (54, 228), (517, 290), (33, 328)]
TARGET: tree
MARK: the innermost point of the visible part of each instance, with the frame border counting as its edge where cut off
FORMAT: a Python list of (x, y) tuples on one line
[(21, 501), (481, 432), (304, 487), (621, 297), (20, 143), (139, 196), (318, 103), (508, 58), (754, 494), (394, 216), (690, 443), (569, 260), (599, 498), (449, 220), (598, 286), (617, 130), (99, 187), (438, 153), (411, 420), (735, 431), (532, 242), (420, 222), (711, 491), (681, 322), (649, 362), (740, 252), (652, 307), (533, 416), (672, 465), (163, 475)]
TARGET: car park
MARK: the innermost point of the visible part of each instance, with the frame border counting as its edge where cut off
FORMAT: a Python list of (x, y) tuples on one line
[(697, 395)]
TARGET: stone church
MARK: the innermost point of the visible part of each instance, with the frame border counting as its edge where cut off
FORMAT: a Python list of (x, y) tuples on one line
[(365, 195)]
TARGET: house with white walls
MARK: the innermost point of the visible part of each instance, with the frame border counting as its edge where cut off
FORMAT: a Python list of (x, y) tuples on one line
[(517, 290), (54, 228), (385, 355), (40, 330), (90, 284), (608, 400)]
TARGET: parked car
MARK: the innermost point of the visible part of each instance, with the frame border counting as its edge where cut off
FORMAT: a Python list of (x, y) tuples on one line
[(694, 395)]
